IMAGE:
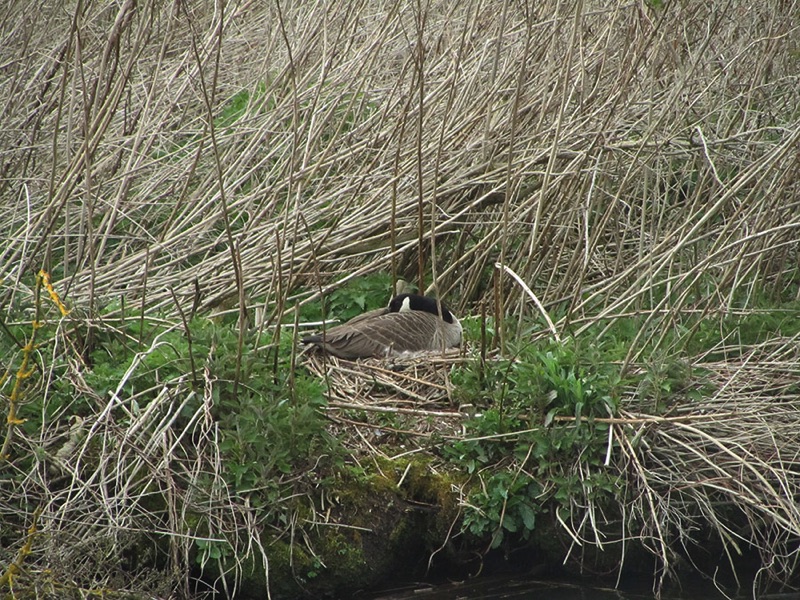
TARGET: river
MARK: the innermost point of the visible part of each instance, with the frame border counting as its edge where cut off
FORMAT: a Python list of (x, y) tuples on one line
[(505, 588)]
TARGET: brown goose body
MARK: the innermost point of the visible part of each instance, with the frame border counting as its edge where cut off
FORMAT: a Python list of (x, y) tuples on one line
[(409, 324)]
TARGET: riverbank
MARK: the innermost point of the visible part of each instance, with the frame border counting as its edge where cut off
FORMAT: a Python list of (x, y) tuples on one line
[(543, 458)]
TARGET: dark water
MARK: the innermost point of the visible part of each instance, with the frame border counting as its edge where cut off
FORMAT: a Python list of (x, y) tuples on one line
[(504, 588)]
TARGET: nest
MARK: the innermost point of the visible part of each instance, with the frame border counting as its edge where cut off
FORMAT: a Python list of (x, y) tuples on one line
[(374, 401)]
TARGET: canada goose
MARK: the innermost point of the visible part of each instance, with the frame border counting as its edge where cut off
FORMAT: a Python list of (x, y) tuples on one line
[(410, 323)]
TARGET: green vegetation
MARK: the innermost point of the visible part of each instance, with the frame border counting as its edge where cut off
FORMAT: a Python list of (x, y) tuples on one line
[(516, 449), (265, 429), (357, 296)]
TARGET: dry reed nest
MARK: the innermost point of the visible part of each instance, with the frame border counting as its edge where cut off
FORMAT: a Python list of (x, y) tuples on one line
[(414, 391)]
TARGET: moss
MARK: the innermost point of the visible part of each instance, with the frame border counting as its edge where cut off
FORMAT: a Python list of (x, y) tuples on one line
[(429, 490), (373, 531)]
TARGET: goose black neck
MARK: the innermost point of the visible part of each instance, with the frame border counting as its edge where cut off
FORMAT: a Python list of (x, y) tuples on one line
[(405, 302)]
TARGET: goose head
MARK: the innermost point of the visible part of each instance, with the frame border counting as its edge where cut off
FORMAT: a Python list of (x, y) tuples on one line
[(411, 302)]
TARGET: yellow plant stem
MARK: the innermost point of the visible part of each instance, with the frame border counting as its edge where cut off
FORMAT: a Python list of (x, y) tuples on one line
[(7, 578), (44, 277), (23, 373)]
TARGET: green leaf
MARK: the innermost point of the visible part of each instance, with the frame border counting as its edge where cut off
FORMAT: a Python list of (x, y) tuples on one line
[(497, 538), (528, 516), (510, 524)]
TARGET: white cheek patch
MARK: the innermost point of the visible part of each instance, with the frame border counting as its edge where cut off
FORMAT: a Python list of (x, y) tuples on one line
[(406, 306)]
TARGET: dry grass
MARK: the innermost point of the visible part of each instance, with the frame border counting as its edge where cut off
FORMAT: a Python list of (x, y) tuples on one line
[(599, 152), (728, 463), (408, 398), (619, 159)]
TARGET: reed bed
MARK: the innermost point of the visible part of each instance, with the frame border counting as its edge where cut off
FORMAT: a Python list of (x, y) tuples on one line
[(199, 158), (599, 151)]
